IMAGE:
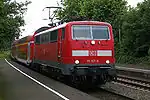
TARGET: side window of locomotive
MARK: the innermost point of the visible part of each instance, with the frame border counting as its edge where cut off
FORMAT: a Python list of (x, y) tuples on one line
[(37, 39), (63, 33), (47, 37), (44, 38), (53, 36)]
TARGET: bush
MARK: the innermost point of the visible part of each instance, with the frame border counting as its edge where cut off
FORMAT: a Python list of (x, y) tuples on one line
[(142, 51), (149, 51), (133, 60), (125, 59)]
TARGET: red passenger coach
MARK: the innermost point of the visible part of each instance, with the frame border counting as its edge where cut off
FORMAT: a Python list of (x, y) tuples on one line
[(80, 50), (22, 49)]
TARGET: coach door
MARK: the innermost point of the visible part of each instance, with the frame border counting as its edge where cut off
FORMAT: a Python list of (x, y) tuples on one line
[(28, 52)]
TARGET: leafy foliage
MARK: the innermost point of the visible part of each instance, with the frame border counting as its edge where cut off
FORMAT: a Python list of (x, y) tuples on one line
[(110, 11), (136, 31), (11, 18)]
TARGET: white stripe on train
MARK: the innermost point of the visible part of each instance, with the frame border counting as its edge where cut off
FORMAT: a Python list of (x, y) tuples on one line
[(92, 53)]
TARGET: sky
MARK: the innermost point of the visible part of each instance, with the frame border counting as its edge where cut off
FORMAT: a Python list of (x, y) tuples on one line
[(34, 17)]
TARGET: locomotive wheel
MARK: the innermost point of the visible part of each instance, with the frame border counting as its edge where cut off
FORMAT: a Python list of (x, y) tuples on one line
[(38, 67), (79, 81), (31, 65)]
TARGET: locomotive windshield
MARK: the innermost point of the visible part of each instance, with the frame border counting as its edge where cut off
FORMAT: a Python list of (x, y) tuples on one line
[(90, 32)]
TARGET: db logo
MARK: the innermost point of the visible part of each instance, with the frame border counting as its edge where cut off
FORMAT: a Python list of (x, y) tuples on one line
[(93, 53)]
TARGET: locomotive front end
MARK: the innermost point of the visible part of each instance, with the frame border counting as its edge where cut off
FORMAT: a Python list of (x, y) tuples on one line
[(91, 52)]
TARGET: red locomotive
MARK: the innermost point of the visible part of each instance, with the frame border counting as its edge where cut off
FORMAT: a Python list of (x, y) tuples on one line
[(79, 50)]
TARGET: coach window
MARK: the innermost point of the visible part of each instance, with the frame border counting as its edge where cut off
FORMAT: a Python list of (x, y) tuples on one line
[(23, 40), (53, 36), (37, 39), (63, 33)]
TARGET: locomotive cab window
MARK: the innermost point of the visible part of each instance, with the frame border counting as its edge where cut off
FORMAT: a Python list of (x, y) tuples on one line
[(91, 32), (100, 32), (45, 38), (81, 32)]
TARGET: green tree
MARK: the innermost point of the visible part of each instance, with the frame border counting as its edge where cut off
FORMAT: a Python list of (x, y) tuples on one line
[(110, 11), (136, 31), (11, 19)]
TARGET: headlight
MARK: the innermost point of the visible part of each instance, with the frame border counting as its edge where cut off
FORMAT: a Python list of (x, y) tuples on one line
[(77, 62), (107, 61), (92, 42)]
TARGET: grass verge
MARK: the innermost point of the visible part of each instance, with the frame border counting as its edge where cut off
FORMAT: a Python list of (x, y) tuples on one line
[(4, 54), (129, 61)]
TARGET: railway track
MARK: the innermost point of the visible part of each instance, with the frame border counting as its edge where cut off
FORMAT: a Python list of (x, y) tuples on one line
[(133, 83), (121, 96), (104, 93)]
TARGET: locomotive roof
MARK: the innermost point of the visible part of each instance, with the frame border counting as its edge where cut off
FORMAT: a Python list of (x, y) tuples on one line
[(73, 22), (52, 29), (42, 29)]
